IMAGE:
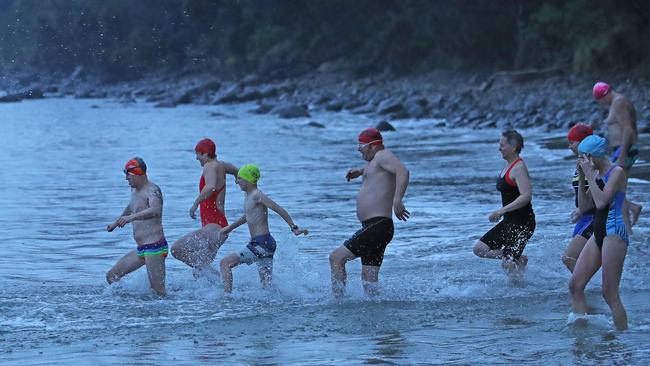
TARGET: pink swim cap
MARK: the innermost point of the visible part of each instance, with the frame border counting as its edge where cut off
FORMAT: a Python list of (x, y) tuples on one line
[(600, 90)]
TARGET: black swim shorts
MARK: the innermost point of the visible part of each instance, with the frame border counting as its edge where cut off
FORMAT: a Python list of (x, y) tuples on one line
[(510, 237), (371, 241)]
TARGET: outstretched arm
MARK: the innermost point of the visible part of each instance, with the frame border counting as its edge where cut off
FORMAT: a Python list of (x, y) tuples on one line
[(389, 162), (353, 173), (240, 221), (114, 225), (266, 201), (155, 201), (229, 168)]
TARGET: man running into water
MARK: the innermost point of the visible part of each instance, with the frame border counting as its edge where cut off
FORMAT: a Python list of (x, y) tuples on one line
[(261, 247), (145, 213), (622, 136), (198, 248), (507, 240), (385, 180)]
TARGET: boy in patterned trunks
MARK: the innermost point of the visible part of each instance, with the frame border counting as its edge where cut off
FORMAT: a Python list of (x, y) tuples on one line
[(145, 213), (261, 247)]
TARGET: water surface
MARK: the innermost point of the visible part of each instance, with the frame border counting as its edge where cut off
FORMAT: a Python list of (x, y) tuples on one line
[(62, 183)]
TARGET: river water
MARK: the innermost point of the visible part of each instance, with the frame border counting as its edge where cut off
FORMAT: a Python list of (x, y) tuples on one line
[(62, 184)]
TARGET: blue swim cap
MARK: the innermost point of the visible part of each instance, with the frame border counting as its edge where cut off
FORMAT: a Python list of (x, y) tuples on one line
[(593, 145)]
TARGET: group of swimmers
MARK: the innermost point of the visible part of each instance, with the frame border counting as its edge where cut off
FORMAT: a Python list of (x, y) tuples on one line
[(384, 184), (603, 216)]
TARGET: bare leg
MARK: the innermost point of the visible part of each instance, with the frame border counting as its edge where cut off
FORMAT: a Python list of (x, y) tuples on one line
[(227, 264), (587, 265), (370, 278), (515, 267), (614, 250), (338, 257), (266, 274), (198, 248), (156, 272), (572, 251), (127, 264), (483, 250)]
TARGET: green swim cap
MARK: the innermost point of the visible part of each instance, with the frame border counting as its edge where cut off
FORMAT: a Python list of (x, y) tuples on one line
[(249, 173)]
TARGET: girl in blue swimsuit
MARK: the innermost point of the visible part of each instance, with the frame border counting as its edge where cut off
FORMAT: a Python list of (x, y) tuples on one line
[(607, 247)]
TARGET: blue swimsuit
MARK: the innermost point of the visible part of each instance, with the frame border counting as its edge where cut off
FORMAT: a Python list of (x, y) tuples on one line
[(609, 220)]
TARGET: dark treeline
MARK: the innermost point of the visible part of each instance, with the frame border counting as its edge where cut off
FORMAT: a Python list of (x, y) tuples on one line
[(123, 39)]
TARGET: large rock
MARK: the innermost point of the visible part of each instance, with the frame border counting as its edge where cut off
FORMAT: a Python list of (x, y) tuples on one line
[(390, 106), (191, 94), (90, 93), (335, 105), (262, 109), (416, 108), (291, 111), (25, 94), (363, 109), (385, 126), (231, 95)]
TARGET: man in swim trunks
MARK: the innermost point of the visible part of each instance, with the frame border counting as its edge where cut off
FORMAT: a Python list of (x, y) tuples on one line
[(145, 213), (198, 248), (261, 247), (622, 135), (385, 180)]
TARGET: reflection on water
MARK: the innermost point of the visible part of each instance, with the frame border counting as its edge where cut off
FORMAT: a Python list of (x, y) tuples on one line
[(62, 178)]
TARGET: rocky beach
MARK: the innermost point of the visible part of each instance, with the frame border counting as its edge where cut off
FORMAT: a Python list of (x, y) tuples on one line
[(552, 101)]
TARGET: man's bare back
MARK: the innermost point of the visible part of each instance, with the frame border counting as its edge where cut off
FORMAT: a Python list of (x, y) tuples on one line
[(621, 115)]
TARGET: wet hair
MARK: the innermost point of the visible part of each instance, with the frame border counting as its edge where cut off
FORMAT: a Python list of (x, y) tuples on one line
[(515, 139)]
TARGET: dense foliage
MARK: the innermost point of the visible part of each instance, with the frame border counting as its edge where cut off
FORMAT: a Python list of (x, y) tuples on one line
[(125, 38)]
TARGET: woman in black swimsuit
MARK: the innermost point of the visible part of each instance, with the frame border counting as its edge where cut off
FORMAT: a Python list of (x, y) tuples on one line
[(506, 241)]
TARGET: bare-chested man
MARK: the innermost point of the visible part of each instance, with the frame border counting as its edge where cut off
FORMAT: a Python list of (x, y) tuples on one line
[(385, 180), (261, 247), (145, 213), (622, 136), (198, 248)]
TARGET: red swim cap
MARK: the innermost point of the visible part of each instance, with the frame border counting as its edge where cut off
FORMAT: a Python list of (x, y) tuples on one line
[(135, 166), (370, 135), (600, 90), (206, 146), (578, 132)]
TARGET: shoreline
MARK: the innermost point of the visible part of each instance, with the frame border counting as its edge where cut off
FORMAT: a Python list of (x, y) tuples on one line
[(550, 100)]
